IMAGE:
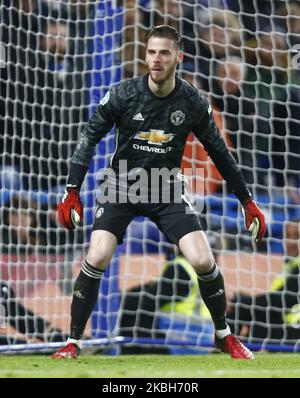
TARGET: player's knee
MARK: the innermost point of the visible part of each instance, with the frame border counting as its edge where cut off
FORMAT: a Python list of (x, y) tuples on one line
[(203, 264), (97, 260)]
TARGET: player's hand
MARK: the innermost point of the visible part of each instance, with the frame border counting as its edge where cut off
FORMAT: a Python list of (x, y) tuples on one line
[(254, 219), (70, 211)]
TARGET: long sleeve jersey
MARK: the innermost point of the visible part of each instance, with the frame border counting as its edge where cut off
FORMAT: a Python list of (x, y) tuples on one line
[(151, 131)]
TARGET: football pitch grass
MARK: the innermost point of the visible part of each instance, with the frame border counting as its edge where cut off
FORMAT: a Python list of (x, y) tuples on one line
[(151, 366)]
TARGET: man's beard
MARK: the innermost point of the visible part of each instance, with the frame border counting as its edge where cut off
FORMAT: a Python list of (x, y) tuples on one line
[(169, 73)]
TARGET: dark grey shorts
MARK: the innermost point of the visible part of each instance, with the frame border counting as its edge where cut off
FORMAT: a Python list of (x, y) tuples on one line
[(172, 219)]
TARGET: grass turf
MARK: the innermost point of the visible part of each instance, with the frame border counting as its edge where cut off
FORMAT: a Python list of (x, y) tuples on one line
[(151, 366)]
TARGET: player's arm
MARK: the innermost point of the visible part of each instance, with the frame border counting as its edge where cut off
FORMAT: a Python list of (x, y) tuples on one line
[(70, 211), (209, 135)]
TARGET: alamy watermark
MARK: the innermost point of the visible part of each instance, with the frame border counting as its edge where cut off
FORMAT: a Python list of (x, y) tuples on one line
[(2, 56), (157, 185), (296, 57)]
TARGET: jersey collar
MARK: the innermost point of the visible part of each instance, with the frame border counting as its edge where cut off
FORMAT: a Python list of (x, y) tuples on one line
[(172, 93)]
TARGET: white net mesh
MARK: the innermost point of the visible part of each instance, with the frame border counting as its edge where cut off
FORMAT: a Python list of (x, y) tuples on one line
[(58, 59)]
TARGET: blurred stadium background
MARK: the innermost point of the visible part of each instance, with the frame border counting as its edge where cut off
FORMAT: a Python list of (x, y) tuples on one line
[(58, 59)]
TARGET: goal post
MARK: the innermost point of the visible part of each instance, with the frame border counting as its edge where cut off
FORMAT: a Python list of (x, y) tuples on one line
[(58, 60)]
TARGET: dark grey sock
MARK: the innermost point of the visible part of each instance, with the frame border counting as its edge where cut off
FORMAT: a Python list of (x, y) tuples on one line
[(85, 293), (212, 289)]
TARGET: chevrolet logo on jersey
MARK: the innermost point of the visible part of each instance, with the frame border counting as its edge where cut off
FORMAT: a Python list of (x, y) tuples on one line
[(155, 137)]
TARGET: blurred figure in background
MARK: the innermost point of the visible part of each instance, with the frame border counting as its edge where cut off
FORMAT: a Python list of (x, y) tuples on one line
[(236, 109), (175, 295), (19, 232), (287, 16), (164, 12), (277, 111), (218, 36), (133, 32), (61, 112), (43, 97), (30, 256), (273, 316), (253, 15), (194, 155), (23, 320), (20, 23), (33, 248)]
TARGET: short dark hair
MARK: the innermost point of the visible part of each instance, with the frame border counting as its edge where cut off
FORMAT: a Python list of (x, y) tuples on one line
[(164, 31)]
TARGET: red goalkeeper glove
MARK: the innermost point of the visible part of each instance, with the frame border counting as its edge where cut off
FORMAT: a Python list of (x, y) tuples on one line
[(70, 211), (254, 219)]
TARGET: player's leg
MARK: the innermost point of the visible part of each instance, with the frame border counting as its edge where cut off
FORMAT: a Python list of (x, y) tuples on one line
[(86, 287), (195, 247), (183, 228), (197, 251), (110, 223)]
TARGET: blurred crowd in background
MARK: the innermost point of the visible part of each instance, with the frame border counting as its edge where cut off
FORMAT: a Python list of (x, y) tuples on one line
[(242, 54), (239, 53)]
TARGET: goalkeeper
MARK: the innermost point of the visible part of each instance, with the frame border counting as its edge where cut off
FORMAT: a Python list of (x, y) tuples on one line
[(153, 115)]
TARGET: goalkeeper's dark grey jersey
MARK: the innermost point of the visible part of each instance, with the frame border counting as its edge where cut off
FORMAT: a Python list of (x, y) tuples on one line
[(151, 131)]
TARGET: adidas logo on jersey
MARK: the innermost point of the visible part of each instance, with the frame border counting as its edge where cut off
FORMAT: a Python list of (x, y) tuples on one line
[(139, 117), (219, 293)]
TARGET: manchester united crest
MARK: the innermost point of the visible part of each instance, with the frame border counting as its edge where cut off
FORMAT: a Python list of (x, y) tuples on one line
[(177, 118), (99, 212)]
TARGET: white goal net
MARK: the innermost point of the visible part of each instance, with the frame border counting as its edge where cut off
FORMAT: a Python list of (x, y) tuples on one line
[(57, 60)]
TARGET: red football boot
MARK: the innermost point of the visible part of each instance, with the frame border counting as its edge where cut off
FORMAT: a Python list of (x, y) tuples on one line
[(234, 347), (70, 351)]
